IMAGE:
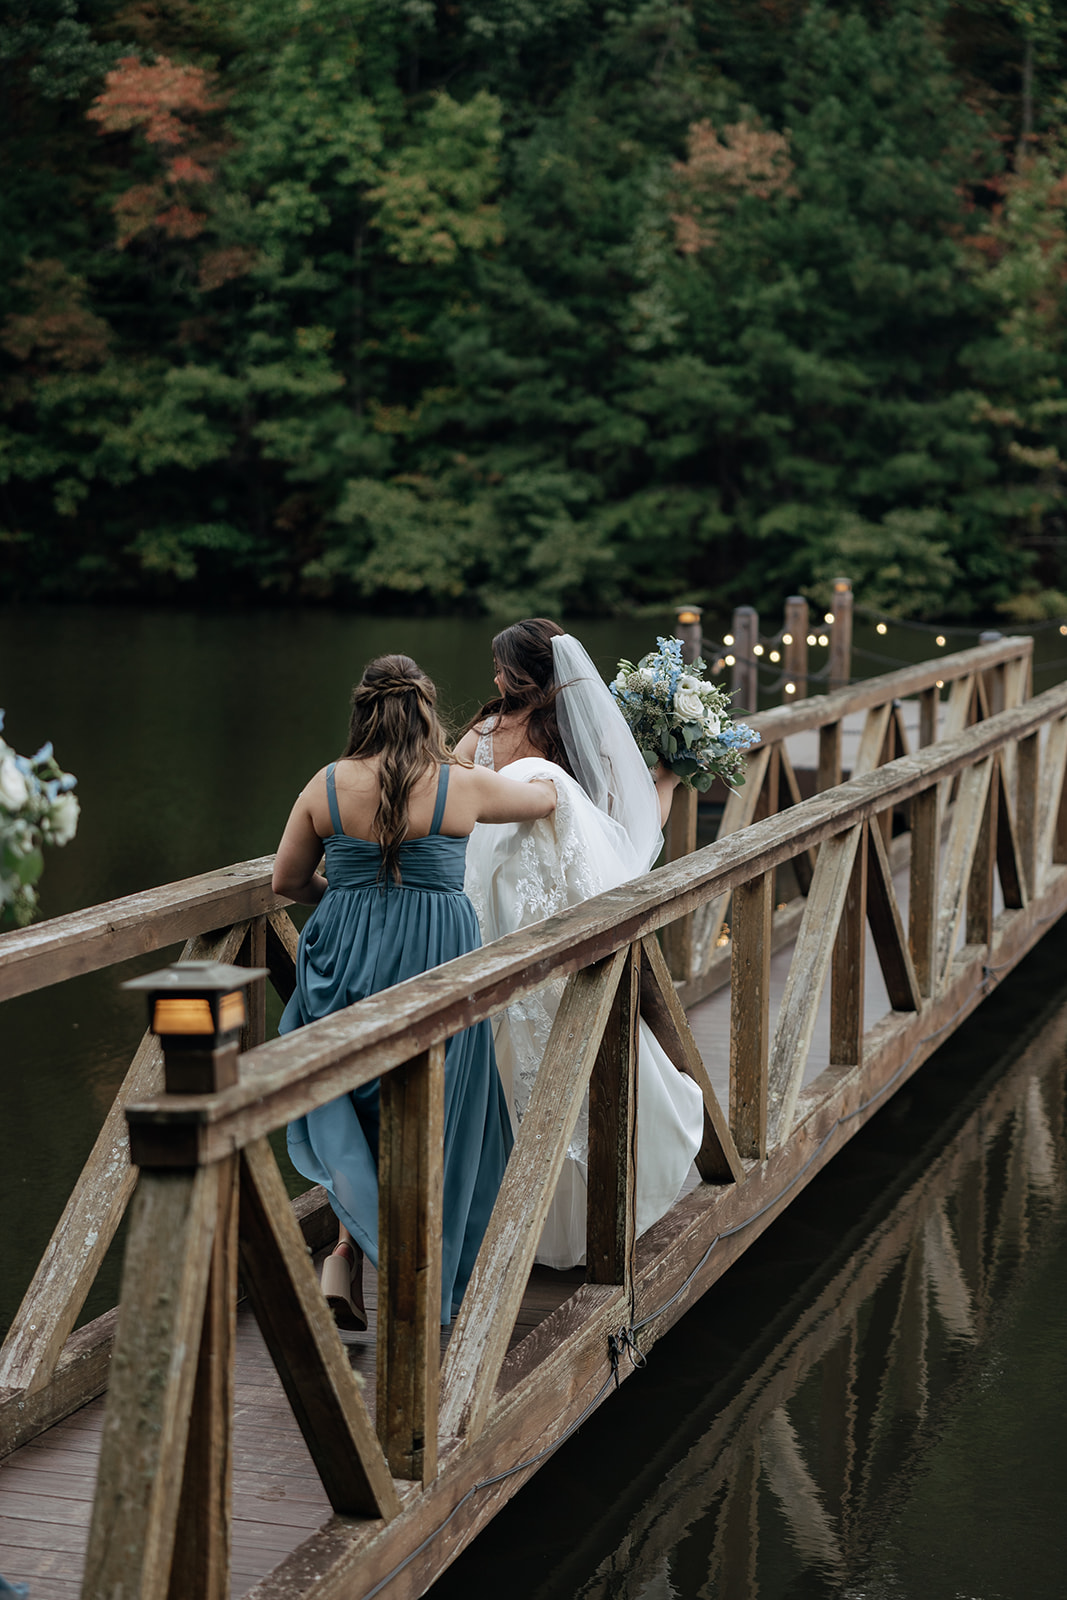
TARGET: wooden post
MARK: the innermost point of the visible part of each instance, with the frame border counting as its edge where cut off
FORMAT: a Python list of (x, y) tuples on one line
[(923, 890), (929, 702), (681, 830), (847, 968), (610, 1215), (410, 1199), (841, 635), (979, 926), (750, 997), (201, 1566), (1026, 807), (796, 645), (745, 679), (828, 775), (146, 1425), (687, 627)]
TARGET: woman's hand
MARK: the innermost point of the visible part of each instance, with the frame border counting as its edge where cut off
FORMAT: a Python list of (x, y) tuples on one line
[(502, 799), (666, 782)]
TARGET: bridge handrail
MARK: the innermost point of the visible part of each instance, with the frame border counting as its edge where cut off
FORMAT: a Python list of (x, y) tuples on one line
[(290, 1076), (103, 935)]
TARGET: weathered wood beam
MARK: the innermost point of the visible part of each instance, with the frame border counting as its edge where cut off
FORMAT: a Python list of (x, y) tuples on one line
[(808, 972), (849, 960), (100, 936), (738, 813), (299, 1332), (717, 1160), (613, 1152), (887, 926), (494, 1294), (410, 1217), (959, 856), (146, 1424), (750, 1003)]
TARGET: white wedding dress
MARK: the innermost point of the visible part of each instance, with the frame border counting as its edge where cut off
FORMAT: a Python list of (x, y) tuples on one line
[(520, 873)]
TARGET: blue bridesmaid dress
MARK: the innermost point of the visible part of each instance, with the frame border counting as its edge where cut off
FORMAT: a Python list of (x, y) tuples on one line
[(368, 932)]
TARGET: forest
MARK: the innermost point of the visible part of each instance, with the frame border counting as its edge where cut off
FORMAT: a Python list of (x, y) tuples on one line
[(534, 305)]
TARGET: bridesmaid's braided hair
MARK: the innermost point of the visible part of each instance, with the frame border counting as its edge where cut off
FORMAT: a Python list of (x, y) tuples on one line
[(525, 666), (394, 717)]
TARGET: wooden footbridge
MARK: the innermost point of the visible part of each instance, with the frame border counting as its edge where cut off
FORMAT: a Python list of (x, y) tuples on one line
[(242, 1447)]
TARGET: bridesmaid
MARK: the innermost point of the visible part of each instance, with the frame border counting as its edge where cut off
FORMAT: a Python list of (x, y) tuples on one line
[(393, 816)]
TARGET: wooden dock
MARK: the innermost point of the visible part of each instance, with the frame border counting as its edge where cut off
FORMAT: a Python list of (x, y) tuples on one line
[(238, 1451)]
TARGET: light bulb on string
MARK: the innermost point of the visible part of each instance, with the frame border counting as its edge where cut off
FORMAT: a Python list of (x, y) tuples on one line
[(727, 638), (787, 638), (775, 656), (729, 661), (829, 617), (823, 640), (757, 649), (790, 688), (881, 628), (812, 639), (940, 639)]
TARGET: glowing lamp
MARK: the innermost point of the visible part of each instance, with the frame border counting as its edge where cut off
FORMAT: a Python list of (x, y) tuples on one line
[(197, 1010), (775, 655), (727, 638), (790, 688), (757, 649), (787, 638), (829, 617), (881, 628), (940, 639), (689, 614)]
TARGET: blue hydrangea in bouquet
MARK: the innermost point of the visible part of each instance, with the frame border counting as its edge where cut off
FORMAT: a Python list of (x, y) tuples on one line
[(37, 808), (678, 717)]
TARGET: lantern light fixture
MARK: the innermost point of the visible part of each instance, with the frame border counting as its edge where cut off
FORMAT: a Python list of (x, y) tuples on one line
[(197, 1010)]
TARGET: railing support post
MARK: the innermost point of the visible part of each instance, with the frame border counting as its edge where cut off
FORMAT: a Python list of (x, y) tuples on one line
[(681, 829), (795, 641), (410, 1190), (610, 1217), (750, 995), (744, 682), (841, 635)]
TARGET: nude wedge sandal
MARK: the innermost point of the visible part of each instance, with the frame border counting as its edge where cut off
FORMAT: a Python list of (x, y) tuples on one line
[(337, 1284)]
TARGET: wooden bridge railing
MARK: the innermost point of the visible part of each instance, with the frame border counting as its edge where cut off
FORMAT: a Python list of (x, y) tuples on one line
[(209, 1188), (980, 682)]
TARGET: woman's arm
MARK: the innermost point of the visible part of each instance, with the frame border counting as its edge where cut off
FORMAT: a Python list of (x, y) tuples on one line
[(299, 854), (467, 747), (501, 799), (666, 782)]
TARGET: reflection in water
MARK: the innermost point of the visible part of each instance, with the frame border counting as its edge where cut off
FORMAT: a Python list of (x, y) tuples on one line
[(900, 1436)]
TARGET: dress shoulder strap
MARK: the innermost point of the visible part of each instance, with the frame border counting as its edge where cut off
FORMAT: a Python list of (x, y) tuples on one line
[(331, 795), (442, 796)]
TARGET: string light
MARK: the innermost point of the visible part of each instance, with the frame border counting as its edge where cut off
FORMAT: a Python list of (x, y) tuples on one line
[(881, 628), (812, 639), (940, 683), (774, 656), (727, 638), (1063, 627), (787, 638), (940, 639), (757, 649), (823, 640), (829, 617), (790, 688), (729, 661)]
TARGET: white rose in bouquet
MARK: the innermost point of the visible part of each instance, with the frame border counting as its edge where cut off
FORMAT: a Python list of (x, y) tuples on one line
[(61, 823), (713, 726), (13, 789), (688, 704)]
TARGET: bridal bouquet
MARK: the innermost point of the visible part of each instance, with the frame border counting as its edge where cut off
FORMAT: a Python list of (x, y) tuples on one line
[(677, 717), (37, 808)]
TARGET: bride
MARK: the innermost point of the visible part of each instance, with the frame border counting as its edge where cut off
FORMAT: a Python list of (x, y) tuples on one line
[(554, 718)]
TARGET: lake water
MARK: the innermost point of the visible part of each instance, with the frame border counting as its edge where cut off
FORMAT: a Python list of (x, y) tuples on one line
[(870, 1405)]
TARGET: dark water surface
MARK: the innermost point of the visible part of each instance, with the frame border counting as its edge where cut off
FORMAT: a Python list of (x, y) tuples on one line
[(872, 1404)]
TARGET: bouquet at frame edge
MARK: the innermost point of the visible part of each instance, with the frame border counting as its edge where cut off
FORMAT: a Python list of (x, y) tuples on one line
[(37, 808), (676, 716)]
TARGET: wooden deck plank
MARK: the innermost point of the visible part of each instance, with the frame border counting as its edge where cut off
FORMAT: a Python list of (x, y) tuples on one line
[(46, 1487)]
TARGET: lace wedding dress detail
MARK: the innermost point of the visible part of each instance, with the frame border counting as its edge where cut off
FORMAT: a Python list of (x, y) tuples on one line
[(518, 874)]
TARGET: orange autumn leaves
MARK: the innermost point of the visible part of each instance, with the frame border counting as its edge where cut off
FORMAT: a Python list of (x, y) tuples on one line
[(721, 170), (162, 102)]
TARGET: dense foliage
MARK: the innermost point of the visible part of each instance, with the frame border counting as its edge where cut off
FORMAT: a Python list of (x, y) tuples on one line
[(534, 304)]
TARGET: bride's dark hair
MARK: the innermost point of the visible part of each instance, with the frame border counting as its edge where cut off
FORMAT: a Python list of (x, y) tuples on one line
[(525, 667), (394, 716)]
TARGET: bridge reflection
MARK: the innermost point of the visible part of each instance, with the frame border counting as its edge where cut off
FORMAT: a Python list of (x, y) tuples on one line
[(792, 1482)]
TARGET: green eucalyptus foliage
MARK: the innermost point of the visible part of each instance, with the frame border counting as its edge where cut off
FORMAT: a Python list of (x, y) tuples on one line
[(523, 306)]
